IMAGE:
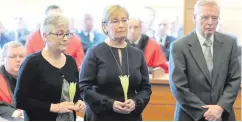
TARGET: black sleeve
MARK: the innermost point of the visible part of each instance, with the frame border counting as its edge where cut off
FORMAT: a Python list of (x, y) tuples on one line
[(24, 88), (142, 97), (98, 103)]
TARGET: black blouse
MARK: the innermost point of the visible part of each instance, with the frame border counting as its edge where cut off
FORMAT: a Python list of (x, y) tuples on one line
[(39, 84), (100, 85)]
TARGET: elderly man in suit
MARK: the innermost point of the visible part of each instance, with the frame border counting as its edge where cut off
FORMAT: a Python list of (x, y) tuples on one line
[(88, 35), (204, 69), (163, 37)]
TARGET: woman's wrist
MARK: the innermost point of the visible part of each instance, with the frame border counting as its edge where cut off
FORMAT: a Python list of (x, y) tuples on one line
[(55, 108)]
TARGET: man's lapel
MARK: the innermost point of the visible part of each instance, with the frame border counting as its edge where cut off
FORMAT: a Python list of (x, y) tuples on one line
[(197, 53), (217, 56)]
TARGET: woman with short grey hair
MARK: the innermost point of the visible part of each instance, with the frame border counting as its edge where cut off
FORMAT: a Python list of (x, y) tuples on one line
[(46, 88)]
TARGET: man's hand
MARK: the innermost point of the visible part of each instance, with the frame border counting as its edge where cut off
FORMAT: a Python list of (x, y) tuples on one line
[(213, 113)]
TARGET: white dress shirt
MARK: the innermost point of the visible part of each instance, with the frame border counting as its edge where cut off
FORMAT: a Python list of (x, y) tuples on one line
[(202, 39)]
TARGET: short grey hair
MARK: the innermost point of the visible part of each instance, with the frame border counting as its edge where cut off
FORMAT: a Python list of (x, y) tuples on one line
[(51, 21), (200, 3), (12, 44)]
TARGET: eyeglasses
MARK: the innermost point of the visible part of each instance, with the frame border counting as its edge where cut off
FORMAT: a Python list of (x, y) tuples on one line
[(206, 18), (117, 22), (62, 35)]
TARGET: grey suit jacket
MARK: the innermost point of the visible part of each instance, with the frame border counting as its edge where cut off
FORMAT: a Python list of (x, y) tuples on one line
[(191, 84), (6, 110)]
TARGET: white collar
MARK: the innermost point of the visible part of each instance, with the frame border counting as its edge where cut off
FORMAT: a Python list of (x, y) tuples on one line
[(202, 39)]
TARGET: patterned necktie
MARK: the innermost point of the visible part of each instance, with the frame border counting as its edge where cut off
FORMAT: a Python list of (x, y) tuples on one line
[(208, 55)]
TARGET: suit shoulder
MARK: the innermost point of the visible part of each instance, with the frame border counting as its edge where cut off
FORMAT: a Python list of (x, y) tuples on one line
[(225, 37), (171, 38), (183, 41), (98, 33)]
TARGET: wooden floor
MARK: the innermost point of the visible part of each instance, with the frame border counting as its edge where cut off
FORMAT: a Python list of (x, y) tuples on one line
[(162, 103)]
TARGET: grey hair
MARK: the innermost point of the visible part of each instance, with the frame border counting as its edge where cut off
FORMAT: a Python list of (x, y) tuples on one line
[(12, 44), (200, 3), (51, 21)]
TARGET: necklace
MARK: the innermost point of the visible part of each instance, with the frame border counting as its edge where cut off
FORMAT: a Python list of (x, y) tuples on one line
[(118, 63), (124, 79)]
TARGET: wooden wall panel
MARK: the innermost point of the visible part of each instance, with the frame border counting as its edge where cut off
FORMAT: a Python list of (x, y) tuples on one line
[(159, 113), (188, 11), (189, 4), (188, 22)]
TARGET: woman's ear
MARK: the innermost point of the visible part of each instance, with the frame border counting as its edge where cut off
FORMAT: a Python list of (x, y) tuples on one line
[(104, 28), (44, 35)]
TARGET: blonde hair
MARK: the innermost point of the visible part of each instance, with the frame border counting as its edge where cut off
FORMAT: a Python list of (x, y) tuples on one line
[(108, 11), (200, 3), (51, 21)]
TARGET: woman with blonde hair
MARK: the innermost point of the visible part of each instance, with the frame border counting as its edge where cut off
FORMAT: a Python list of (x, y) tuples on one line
[(114, 79), (47, 79)]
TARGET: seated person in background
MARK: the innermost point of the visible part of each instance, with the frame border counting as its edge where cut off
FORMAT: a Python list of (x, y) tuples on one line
[(45, 77), (153, 54), (13, 54), (35, 42), (21, 32), (3, 36), (163, 38), (89, 37)]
